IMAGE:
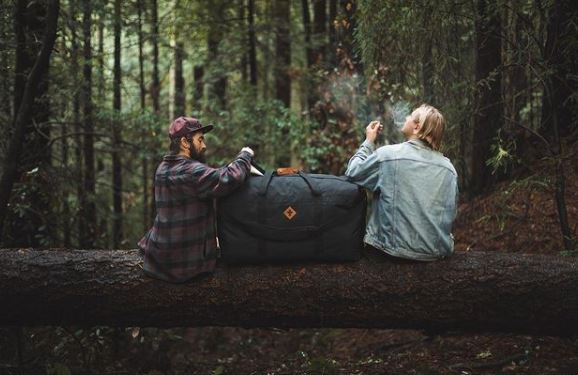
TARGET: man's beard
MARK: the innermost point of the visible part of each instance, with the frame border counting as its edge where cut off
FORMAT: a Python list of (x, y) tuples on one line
[(199, 156)]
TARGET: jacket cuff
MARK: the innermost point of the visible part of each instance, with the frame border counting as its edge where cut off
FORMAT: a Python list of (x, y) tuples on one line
[(369, 145)]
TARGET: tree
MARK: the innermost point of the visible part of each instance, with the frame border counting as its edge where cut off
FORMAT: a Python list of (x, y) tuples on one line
[(142, 96), (25, 109), (488, 112), (217, 75), (34, 224), (116, 130), (88, 206), (252, 43), (281, 17), (474, 291), (559, 115)]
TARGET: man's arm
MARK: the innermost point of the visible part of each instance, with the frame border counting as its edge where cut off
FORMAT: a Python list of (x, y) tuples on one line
[(218, 182)]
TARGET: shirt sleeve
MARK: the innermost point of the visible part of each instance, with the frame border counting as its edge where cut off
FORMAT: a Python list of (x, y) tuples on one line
[(218, 182), (363, 167)]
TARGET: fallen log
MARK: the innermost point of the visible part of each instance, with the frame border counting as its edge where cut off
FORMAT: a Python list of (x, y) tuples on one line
[(474, 291)]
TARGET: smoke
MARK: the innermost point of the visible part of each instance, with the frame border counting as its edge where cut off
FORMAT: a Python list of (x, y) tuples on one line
[(398, 112)]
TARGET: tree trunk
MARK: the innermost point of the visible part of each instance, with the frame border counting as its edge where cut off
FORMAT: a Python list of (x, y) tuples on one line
[(100, 57), (6, 72), (74, 72), (307, 31), (198, 73), (25, 111), (488, 115), (145, 164), (281, 19), (179, 109), (244, 53), (427, 62), (252, 44), (217, 87), (35, 224), (88, 207), (332, 55), (319, 31), (473, 291), (561, 71), (116, 131), (155, 89)]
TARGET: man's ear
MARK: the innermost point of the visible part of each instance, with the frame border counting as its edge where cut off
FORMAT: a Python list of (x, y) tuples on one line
[(184, 143), (416, 128)]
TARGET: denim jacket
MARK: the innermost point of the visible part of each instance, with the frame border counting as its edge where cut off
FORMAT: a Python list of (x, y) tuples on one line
[(415, 195)]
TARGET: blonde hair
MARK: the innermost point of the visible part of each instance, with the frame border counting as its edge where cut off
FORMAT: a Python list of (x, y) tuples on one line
[(432, 125)]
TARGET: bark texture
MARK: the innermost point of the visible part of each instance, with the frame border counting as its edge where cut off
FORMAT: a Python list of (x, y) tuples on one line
[(473, 292)]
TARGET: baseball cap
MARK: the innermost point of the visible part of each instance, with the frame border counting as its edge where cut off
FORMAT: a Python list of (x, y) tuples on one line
[(181, 126)]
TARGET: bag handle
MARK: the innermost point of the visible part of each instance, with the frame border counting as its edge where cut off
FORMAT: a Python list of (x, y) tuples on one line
[(269, 176)]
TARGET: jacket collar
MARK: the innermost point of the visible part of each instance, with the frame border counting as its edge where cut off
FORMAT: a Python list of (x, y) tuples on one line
[(419, 143), (170, 157)]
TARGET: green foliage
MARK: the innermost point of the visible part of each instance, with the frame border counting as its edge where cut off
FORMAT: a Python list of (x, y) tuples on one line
[(503, 155)]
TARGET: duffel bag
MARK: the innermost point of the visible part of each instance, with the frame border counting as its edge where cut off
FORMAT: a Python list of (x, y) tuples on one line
[(295, 217)]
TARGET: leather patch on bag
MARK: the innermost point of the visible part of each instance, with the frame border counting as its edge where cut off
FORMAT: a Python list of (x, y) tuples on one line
[(286, 171), (289, 213)]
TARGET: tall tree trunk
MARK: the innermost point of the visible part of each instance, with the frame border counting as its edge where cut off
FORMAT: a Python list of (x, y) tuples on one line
[(319, 32), (332, 55), (145, 166), (6, 80), (427, 54), (488, 115), (155, 89), (252, 44), (558, 103), (179, 108), (308, 82), (36, 222), (88, 207), (281, 16), (78, 170), (100, 57), (198, 73), (116, 131), (218, 85), (25, 111), (245, 53), (561, 73), (307, 30)]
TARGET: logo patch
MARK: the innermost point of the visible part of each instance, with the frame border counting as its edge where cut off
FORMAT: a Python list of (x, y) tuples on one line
[(289, 213)]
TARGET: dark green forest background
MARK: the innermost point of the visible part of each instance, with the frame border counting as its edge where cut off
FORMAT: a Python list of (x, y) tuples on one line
[(84, 124)]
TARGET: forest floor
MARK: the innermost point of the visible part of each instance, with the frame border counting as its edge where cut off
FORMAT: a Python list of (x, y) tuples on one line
[(518, 216)]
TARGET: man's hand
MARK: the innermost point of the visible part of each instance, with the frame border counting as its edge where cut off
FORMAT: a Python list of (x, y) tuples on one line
[(248, 149), (372, 131)]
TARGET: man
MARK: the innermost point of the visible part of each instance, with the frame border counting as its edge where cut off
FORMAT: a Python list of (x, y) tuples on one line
[(414, 189), (182, 242)]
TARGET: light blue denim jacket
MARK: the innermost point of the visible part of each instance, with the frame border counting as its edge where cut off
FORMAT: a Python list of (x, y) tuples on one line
[(415, 195)]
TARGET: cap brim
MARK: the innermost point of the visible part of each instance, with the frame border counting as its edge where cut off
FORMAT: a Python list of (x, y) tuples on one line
[(206, 128)]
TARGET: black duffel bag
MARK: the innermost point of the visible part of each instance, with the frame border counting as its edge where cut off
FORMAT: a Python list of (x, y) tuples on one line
[(294, 217)]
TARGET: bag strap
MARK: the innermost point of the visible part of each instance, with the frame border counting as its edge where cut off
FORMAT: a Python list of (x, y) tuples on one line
[(266, 182), (309, 183), (270, 174)]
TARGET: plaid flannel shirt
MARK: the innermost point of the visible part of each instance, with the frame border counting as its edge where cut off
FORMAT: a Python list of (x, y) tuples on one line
[(182, 242)]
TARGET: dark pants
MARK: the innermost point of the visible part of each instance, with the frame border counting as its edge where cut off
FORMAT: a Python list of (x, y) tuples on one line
[(378, 256)]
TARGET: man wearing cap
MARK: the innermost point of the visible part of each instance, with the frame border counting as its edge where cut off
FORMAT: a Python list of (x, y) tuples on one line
[(182, 242)]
